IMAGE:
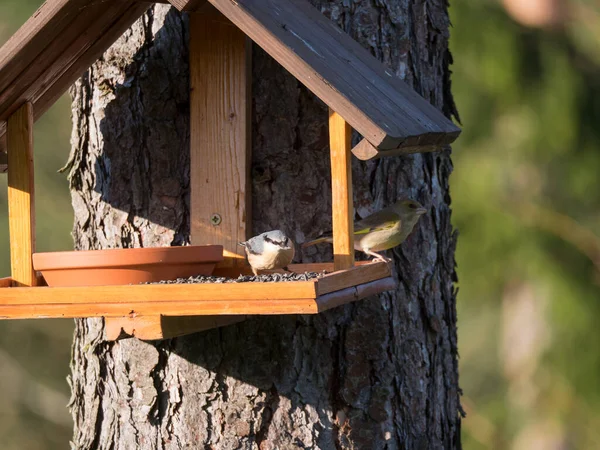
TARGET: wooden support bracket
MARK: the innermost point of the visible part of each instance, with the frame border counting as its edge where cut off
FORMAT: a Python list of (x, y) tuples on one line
[(340, 135), (162, 327), (21, 222)]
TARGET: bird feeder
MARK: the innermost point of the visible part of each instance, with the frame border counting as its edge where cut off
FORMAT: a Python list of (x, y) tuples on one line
[(64, 37)]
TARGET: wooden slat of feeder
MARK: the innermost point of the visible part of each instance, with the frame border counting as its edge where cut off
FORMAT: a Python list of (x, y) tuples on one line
[(91, 20), (340, 135), (158, 299), (153, 293), (30, 303), (381, 107), (350, 277), (27, 310), (59, 58), (21, 208), (354, 293)]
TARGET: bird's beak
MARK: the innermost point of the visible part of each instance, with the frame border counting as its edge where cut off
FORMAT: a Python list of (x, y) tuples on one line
[(242, 244), (420, 211)]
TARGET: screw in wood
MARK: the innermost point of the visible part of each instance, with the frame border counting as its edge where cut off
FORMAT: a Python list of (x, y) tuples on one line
[(215, 219)]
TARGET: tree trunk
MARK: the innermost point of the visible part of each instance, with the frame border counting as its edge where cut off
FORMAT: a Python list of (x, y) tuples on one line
[(377, 374)]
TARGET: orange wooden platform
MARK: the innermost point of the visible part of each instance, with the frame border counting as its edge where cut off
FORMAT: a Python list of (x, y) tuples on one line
[(202, 299)]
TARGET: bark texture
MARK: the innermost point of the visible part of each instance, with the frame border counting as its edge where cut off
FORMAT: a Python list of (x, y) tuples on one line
[(377, 374)]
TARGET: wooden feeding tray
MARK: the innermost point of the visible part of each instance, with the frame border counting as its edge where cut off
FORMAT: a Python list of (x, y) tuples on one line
[(138, 303), (64, 37)]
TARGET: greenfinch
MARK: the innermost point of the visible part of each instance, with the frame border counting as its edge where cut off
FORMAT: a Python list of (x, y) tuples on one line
[(383, 229)]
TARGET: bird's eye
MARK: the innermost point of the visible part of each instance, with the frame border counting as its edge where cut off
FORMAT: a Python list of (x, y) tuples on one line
[(412, 206)]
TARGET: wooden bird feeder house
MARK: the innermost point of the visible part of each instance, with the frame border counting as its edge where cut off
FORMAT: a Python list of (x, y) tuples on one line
[(64, 37)]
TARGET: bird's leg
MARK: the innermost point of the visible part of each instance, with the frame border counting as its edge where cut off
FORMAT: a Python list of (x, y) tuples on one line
[(377, 256), (255, 271)]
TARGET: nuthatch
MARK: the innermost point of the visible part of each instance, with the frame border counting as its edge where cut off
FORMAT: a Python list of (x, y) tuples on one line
[(270, 250), (383, 229)]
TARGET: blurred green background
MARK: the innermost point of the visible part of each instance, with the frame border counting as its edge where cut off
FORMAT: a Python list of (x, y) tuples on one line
[(35, 354), (526, 80)]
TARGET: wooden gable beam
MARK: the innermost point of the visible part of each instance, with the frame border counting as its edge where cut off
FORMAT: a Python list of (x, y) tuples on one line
[(388, 113), (55, 46)]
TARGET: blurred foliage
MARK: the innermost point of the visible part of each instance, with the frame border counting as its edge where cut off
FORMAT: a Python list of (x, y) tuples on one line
[(526, 202), (35, 354)]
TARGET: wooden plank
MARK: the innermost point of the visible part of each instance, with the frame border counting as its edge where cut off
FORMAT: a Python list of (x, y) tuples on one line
[(32, 303), (43, 27), (32, 310), (187, 5), (352, 277), (21, 208), (364, 271), (163, 327), (91, 21), (220, 102), (219, 133), (384, 109), (149, 293), (354, 293), (76, 53), (340, 136), (157, 309)]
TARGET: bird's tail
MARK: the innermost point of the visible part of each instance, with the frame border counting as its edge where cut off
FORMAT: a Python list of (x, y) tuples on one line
[(317, 241)]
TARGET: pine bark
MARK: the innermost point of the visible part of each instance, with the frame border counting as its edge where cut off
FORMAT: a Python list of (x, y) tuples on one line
[(378, 374)]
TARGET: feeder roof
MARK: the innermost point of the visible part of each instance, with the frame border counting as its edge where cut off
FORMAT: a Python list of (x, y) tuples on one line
[(64, 37)]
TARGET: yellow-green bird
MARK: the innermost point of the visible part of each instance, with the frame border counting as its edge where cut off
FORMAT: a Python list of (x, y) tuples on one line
[(382, 230)]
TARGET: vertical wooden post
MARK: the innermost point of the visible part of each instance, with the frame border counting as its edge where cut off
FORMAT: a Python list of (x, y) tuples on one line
[(220, 101), (340, 134), (219, 133), (21, 220)]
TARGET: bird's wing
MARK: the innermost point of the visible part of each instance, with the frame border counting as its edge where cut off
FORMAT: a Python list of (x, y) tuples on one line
[(381, 220), (378, 221), (255, 245)]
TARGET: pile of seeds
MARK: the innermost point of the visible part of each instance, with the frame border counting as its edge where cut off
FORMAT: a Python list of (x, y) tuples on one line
[(276, 277)]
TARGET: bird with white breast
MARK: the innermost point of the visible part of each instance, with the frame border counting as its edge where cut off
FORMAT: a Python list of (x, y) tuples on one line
[(269, 250)]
